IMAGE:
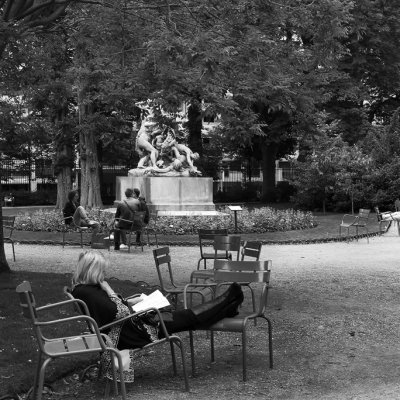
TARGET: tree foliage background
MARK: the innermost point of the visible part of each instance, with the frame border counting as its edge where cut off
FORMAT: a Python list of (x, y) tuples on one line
[(316, 78)]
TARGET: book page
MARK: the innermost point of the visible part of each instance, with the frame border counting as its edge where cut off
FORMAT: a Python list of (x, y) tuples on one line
[(155, 299)]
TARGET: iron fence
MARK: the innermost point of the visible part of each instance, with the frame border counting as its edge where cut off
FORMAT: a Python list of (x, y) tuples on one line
[(32, 175)]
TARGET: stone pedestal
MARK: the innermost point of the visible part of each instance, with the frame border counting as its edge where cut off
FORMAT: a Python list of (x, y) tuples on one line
[(170, 193)]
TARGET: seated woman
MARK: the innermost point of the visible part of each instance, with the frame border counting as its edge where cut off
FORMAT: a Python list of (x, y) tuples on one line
[(105, 307), (77, 214)]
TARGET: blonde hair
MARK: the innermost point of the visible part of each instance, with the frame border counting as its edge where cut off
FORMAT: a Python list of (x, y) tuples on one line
[(90, 268)]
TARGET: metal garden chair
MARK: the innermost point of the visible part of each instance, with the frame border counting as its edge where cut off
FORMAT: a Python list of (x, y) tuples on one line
[(171, 339), (69, 226), (162, 259), (66, 346), (224, 246), (136, 225), (355, 221), (226, 272), (151, 227), (8, 228), (206, 237), (386, 218)]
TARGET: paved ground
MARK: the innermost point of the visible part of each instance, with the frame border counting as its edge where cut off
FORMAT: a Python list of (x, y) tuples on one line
[(334, 308)]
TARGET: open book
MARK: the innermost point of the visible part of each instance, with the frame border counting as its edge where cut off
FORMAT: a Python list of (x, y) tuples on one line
[(155, 299)]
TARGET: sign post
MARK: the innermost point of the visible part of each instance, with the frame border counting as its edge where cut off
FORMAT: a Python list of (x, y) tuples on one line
[(235, 210)]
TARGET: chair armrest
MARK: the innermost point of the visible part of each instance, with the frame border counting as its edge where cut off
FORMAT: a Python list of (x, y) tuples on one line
[(187, 290), (124, 220), (349, 219), (65, 302), (89, 320), (138, 314)]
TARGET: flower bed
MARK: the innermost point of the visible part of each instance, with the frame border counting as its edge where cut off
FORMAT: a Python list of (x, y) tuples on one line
[(265, 219)]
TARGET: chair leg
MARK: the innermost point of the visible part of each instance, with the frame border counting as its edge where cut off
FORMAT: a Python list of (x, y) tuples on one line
[(171, 344), (114, 372), (121, 374), (129, 242), (271, 357), (244, 353), (192, 355), (12, 244), (36, 378), (212, 346), (178, 342), (40, 383)]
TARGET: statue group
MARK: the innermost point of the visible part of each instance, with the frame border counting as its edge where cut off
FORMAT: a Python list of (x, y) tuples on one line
[(160, 146)]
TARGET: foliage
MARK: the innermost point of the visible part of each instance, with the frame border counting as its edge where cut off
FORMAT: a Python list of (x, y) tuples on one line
[(264, 219), (333, 168)]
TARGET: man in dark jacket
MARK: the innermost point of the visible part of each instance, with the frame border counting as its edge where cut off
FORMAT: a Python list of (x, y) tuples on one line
[(143, 207), (123, 215)]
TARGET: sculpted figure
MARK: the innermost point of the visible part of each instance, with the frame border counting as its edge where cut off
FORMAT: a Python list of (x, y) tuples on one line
[(160, 153)]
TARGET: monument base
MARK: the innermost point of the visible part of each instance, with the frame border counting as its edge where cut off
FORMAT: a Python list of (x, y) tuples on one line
[(170, 193)]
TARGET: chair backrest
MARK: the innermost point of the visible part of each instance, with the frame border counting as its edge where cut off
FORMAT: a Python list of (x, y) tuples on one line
[(27, 300), (228, 243), (8, 224), (206, 236), (252, 249), (363, 215), (257, 272), (162, 259), (378, 214), (137, 220), (153, 218), (28, 304)]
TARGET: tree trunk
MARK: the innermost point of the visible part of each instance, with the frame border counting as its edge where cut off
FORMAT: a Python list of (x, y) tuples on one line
[(90, 181), (64, 161), (195, 125), (269, 151), (64, 185), (4, 267)]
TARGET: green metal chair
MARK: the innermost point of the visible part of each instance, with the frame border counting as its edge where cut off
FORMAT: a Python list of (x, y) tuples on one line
[(8, 228), (243, 272), (66, 346), (224, 246)]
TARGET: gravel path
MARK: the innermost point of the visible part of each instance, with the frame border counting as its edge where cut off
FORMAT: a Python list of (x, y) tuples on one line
[(335, 311)]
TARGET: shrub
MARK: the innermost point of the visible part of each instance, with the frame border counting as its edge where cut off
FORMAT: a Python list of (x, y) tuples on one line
[(41, 197), (257, 220)]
